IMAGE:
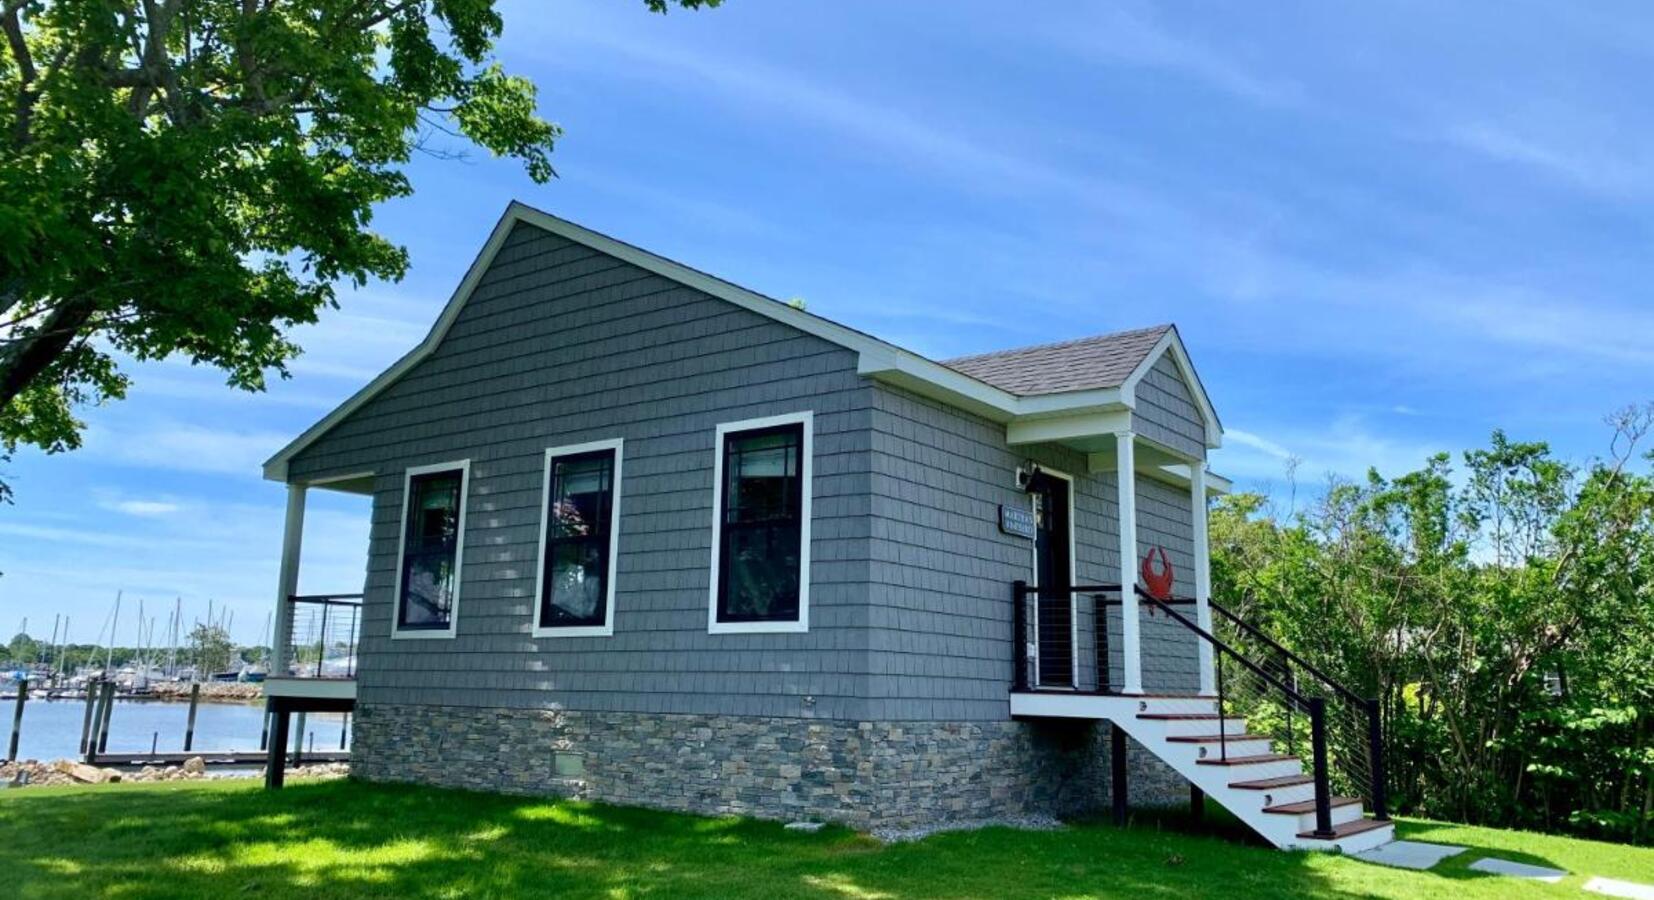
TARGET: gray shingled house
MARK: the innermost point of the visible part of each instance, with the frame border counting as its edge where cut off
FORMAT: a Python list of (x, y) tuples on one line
[(644, 536)]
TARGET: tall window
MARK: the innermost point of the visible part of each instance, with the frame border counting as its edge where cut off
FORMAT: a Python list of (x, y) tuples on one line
[(433, 537), (579, 535), (761, 581)]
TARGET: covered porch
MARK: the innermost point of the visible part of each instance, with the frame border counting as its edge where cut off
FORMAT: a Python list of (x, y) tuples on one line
[(314, 653)]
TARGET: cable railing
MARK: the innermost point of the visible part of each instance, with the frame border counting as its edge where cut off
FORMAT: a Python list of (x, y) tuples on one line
[(1246, 689), (322, 636), (1282, 698), (1355, 733), (1047, 627)]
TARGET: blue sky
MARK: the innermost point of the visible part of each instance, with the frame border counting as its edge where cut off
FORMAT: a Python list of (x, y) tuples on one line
[(1384, 230)]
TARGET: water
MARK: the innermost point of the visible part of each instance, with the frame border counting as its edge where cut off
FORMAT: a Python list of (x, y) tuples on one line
[(51, 728)]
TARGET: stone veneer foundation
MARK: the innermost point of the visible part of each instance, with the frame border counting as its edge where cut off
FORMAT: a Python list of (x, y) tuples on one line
[(886, 775)]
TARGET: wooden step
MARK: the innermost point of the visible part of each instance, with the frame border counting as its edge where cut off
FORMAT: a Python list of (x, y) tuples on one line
[(1269, 784), (1359, 826), (1308, 806), (1214, 739), (1184, 717), (1248, 760)]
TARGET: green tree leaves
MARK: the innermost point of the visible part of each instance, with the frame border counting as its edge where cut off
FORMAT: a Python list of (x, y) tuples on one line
[(1502, 612), (194, 177)]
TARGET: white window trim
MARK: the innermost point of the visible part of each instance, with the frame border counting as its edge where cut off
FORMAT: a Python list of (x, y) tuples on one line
[(806, 475), (1073, 575), (608, 627), (397, 631)]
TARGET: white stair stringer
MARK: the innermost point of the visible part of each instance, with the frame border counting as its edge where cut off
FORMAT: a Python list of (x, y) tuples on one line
[(1249, 756)]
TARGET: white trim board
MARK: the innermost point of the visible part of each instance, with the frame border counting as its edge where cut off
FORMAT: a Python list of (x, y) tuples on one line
[(397, 631), (875, 358), (617, 446), (1172, 342), (806, 476)]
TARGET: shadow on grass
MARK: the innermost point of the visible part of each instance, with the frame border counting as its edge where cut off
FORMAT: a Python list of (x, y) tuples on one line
[(346, 839)]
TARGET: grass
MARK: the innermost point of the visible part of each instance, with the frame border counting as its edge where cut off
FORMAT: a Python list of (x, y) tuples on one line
[(346, 839)]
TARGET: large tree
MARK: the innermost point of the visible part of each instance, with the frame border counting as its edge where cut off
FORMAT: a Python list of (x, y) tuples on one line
[(196, 176)]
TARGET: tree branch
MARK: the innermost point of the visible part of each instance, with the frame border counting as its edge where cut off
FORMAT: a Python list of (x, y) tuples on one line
[(11, 23)]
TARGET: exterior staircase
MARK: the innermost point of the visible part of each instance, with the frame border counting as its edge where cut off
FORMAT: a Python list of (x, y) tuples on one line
[(1287, 800), (1271, 792)]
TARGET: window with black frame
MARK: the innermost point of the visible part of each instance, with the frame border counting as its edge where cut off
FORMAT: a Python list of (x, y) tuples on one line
[(575, 586), (761, 521), (430, 550)]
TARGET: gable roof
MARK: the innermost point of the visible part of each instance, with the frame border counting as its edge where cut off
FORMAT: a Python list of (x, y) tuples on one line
[(948, 383), (1104, 361)]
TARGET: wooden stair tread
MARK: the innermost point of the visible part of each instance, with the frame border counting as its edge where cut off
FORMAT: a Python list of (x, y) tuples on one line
[(1247, 760), (1267, 784), (1346, 829), (1308, 806), (1214, 738), (1185, 717)]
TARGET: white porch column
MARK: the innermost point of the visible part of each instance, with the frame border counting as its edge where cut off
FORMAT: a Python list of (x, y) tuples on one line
[(1131, 646), (288, 580), (1203, 571)]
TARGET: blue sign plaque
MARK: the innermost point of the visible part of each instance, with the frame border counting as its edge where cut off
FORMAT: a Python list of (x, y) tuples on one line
[(1016, 520)]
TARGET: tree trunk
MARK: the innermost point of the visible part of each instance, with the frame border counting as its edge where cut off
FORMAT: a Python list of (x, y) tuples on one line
[(23, 361)]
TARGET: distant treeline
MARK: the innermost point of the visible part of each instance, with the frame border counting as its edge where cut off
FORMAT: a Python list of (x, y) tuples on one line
[(207, 648), (1503, 612)]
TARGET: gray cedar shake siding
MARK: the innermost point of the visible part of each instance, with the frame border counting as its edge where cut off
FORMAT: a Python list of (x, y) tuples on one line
[(909, 609), (560, 345)]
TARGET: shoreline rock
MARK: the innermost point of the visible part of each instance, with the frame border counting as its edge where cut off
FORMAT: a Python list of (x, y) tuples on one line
[(33, 773)]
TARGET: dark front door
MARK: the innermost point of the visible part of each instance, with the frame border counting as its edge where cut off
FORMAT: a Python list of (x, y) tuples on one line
[(1053, 574)]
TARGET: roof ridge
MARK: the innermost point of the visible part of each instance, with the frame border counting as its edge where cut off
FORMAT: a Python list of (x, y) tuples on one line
[(1059, 345)]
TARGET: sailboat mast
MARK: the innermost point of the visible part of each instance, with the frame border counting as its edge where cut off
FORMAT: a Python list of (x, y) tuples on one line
[(109, 652)]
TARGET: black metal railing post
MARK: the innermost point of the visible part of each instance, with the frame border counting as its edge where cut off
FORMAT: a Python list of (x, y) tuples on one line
[(1323, 784), (1099, 635), (1223, 730), (1375, 761), (350, 662), (321, 645), (1019, 636)]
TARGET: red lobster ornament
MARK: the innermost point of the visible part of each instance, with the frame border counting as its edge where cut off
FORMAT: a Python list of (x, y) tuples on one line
[(1158, 584)]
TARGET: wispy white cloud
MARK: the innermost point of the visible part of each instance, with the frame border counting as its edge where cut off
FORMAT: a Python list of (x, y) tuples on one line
[(1598, 160), (185, 446), (1124, 35), (143, 507), (1345, 447)]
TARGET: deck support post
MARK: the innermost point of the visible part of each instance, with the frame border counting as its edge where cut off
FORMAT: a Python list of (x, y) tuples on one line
[(1203, 572), (108, 713), (1131, 647), (275, 769), (1117, 772), (288, 580), (86, 718), (17, 720), (189, 726)]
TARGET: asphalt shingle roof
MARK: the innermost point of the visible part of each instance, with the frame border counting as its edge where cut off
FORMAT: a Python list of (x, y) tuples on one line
[(1104, 361)]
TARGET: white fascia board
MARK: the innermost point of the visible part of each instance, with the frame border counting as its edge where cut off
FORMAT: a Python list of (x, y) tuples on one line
[(1063, 428), (1177, 476), (1172, 343)]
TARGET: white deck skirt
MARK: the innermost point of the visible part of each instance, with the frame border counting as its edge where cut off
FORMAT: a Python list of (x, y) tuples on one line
[(317, 688)]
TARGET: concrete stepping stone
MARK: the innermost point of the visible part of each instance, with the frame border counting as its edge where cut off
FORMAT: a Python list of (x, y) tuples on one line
[(1518, 870), (1409, 854), (1629, 889)]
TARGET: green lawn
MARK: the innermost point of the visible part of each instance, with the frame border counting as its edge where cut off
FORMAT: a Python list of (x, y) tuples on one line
[(344, 839)]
